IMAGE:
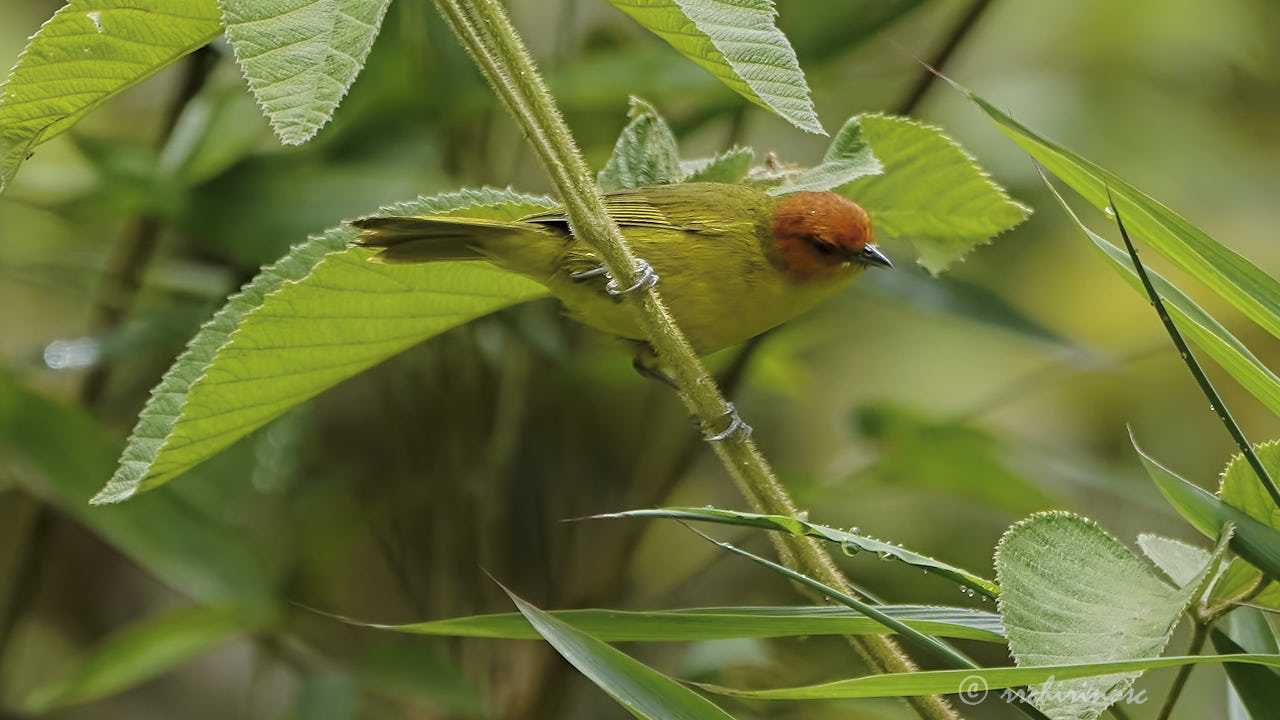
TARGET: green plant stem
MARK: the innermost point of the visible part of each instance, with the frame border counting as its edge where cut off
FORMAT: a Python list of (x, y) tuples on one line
[(1215, 401), (1180, 680), (486, 32)]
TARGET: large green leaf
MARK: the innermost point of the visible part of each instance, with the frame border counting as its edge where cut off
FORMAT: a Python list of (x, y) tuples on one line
[(730, 166), (135, 654), (643, 691), (931, 192), (1257, 543), (974, 684), (848, 158), (718, 623), (738, 43), (1240, 282), (1241, 488), (1196, 324), (89, 51), (315, 318), (1072, 594), (301, 56), (645, 153), (850, 542), (61, 454)]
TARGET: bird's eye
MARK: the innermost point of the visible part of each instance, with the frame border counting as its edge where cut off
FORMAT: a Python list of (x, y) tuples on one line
[(822, 248)]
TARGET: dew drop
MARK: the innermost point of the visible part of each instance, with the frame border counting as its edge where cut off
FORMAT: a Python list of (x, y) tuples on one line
[(849, 548)]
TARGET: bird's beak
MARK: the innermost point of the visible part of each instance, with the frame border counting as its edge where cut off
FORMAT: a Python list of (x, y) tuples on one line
[(871, 255)]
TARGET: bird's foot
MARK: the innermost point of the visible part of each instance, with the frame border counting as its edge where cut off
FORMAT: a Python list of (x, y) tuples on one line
[(645, 277), (736, 425)]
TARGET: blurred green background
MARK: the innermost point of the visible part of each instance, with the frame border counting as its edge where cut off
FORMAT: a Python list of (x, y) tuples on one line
[(930, 412)]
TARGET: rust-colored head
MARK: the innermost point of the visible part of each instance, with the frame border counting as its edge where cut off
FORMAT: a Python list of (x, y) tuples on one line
[(818, 234)]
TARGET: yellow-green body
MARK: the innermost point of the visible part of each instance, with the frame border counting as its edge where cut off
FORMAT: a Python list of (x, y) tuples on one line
[(710, 244)]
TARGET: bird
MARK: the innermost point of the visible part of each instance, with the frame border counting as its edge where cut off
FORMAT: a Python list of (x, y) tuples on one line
[(731, 260)]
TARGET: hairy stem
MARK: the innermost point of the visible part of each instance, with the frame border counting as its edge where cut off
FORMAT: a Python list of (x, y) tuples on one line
[(1180, 680), (486, 32)]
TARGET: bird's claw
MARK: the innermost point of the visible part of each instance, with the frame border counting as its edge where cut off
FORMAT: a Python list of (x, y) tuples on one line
[(645, 278), (736, 425)]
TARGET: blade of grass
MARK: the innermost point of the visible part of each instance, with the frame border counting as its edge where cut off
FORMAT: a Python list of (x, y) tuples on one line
[(1215, 401), (939, 649)]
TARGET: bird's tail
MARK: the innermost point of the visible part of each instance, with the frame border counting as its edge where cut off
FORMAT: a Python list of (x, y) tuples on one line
[(409, 239)]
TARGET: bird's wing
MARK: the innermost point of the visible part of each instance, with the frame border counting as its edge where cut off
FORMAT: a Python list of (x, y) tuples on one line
[(637, 207)]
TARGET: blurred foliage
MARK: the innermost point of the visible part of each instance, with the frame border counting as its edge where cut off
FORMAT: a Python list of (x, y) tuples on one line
[(386, 496)]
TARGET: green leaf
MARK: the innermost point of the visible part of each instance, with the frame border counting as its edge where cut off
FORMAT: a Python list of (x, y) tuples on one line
[(1240, 282), (737, 42), (718, 623), (190, 550), (89, 51), (331, 695), (301, 56), (1197, 325), (946, 456), (848, 158), (1257, 543), (137, 653), (1072, 594), (849, 542), (975, 684), (1258, 687), (318, 316), (931, 192), (1241, 488), (645, 153), (1179, 561), (730, 166), (643, 691)]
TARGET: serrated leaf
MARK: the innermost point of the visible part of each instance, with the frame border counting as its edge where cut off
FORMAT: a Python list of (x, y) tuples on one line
[(1072, 594), (717, 623), (645, 153), (135, 654), (933, 682), (850, 542), (931, 192), (1197, 325), (738, 43), (315, 318), (187, 548), (848, 158), (643, 691), (1256, 542), (89, 51), (730, 166), (301, 56), (1241, 488), (1179, 561), (1227, 273)]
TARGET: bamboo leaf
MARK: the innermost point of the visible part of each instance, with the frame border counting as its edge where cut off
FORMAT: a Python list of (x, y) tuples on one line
[(1197, 325), (1227, 273), (135, 654), (716, 623), (849, 542), (976, 683), (643, 691), (88, 52), (318, 316), (1257, 543)]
